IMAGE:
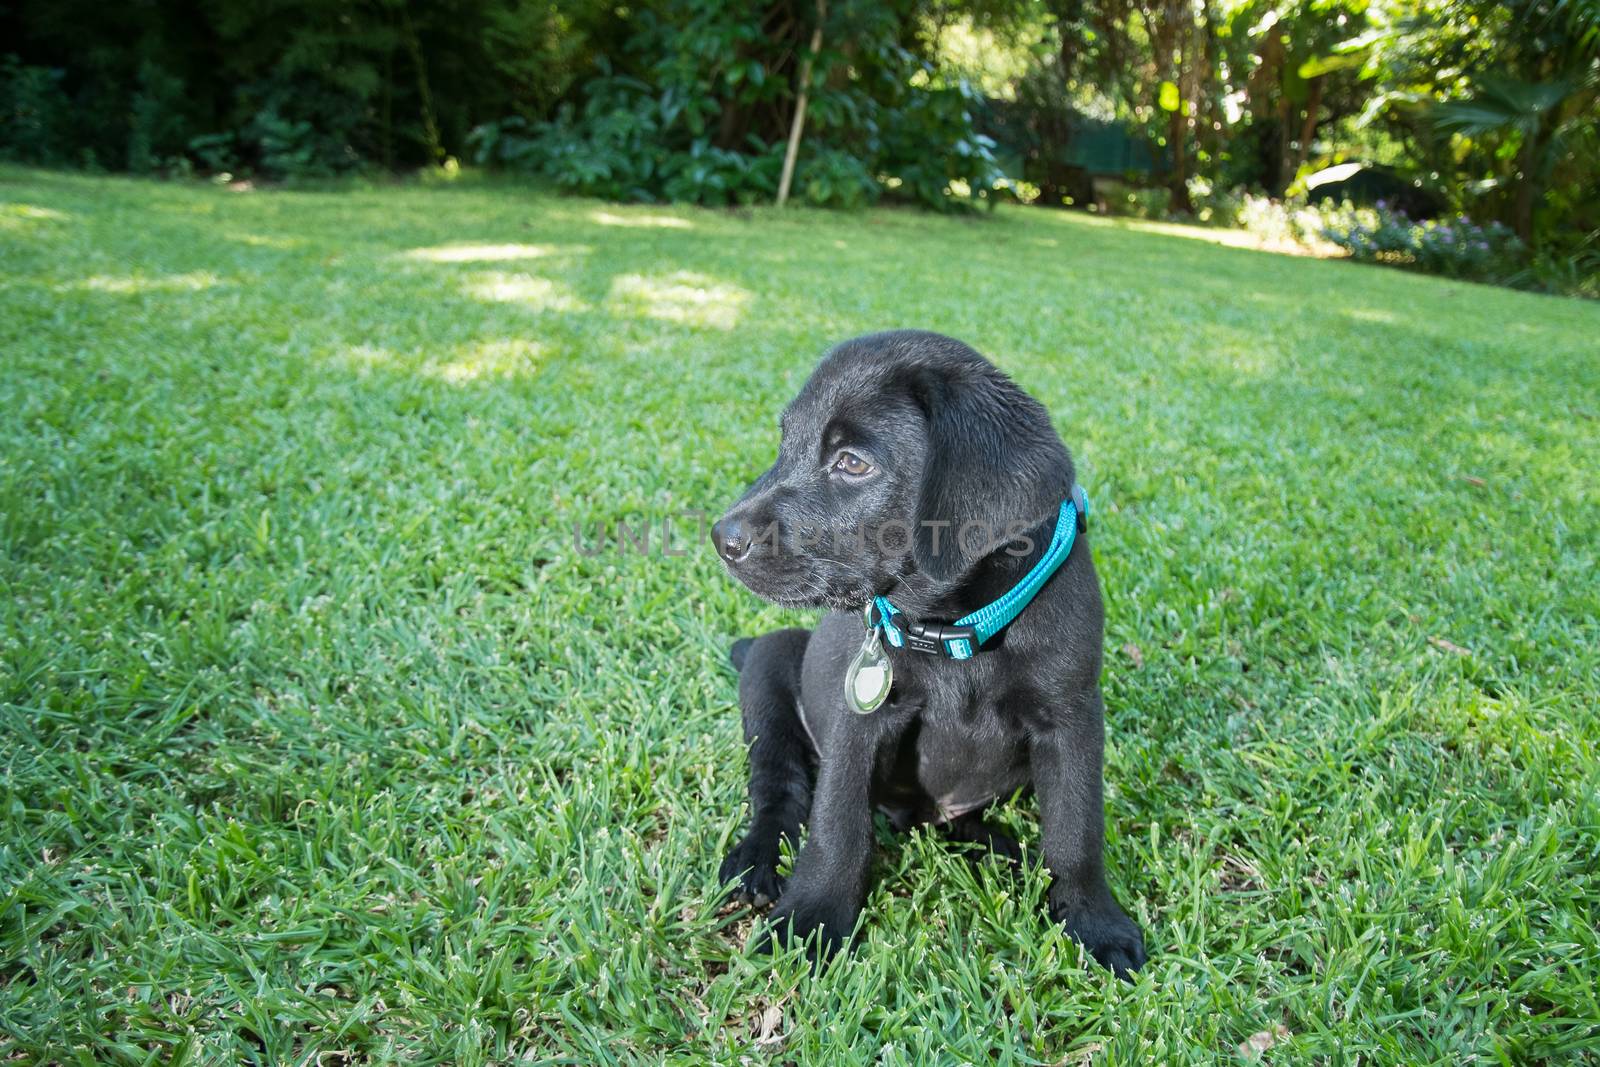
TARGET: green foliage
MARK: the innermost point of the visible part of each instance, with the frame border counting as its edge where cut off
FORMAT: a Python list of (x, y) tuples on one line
[(1495, 104), (1280, 223), (698, 107), (216, 153), (1139, 203), (1216, 206), (931, 142), (620, 146), (158, 129), (1455, 248), (302, 87), (666, 128), (35, 113), (1502, 102), (539, 49), (832, 176), (324, 743), (286, 148), (1568, 270)]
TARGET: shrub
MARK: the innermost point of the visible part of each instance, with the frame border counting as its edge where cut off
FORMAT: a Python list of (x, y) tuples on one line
[(1575, 273), (285, 148), (1139, 203), (217, 153), (1455, 248), (1280, 222), (830, 176), (35, 113), (616, 146), (1214, 205), (158, 131), (932, 149), (706, 119)]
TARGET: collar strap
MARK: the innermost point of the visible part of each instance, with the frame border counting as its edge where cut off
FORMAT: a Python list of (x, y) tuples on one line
[(965, 637)]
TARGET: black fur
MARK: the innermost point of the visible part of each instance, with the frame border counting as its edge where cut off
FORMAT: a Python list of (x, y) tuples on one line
[(949, 438)]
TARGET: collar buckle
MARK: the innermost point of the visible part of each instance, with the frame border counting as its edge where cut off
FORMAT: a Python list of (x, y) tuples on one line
[(939, 639), (950, 640)]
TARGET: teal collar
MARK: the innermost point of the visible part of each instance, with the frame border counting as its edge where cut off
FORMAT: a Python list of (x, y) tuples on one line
[(964, 637)]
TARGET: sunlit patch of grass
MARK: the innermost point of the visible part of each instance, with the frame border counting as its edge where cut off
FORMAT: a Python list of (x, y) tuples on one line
[(537, 294), (190, 282), (23, 218), (323, 741), (1230, 238), (1378, 315), (368, 356), (685, 297), (258, 240), (32, 211), (489, 359), (640, 220), (478, 253)]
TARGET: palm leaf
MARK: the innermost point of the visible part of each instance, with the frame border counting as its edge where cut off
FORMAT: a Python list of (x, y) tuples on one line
[(1473, 118), (1583, 22), (1501, 104)]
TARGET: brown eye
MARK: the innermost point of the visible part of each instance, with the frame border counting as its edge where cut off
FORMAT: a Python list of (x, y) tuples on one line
[(851, 464)]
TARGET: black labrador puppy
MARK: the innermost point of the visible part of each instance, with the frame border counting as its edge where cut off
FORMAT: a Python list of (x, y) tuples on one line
[(911, 469)]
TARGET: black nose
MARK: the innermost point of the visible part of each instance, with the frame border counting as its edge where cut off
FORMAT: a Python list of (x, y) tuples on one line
[(732, 538)]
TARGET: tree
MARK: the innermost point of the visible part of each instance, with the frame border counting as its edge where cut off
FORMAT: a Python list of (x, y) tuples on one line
[(1503, 101), (802, 94)]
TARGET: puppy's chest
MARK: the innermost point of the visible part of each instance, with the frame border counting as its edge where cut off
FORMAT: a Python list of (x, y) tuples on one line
[(963, 751), (968, 707)]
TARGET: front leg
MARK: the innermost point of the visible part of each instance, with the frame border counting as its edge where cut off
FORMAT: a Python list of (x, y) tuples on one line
[(829, 885), (1066, 763)]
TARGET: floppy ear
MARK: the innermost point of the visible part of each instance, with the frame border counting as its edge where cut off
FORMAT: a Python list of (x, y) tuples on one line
[(994, 460)]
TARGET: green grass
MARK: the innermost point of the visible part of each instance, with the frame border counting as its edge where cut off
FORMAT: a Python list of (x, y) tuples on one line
[(323, 744)]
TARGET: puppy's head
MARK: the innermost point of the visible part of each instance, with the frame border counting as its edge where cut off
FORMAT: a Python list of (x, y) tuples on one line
[(905, 457)]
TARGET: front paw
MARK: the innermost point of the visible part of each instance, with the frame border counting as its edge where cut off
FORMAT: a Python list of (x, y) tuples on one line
[(753, 866), (1113, 939), (823, 925)]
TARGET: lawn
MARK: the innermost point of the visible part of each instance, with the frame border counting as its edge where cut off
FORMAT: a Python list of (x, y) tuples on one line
[(324, 742)]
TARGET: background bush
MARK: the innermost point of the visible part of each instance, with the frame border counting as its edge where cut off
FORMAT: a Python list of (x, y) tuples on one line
[(1488, 110), (285, 88), (1457, 248), (697, 102)]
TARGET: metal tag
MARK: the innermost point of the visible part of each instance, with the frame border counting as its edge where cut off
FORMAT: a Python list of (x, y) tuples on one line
[(867, 682)]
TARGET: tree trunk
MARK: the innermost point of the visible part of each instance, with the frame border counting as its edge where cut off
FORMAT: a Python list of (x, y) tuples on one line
[(1527, 185), (1264, 92), (1281, 176), (1308, 128), (1061, 184), (793, 151), (1204, 91), (1179, 14), (430, 125), (1166, 26), (1069, 15), (1177, 136)]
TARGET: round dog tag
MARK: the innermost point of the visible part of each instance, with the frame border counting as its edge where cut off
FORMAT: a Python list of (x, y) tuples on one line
[(867, 682)]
